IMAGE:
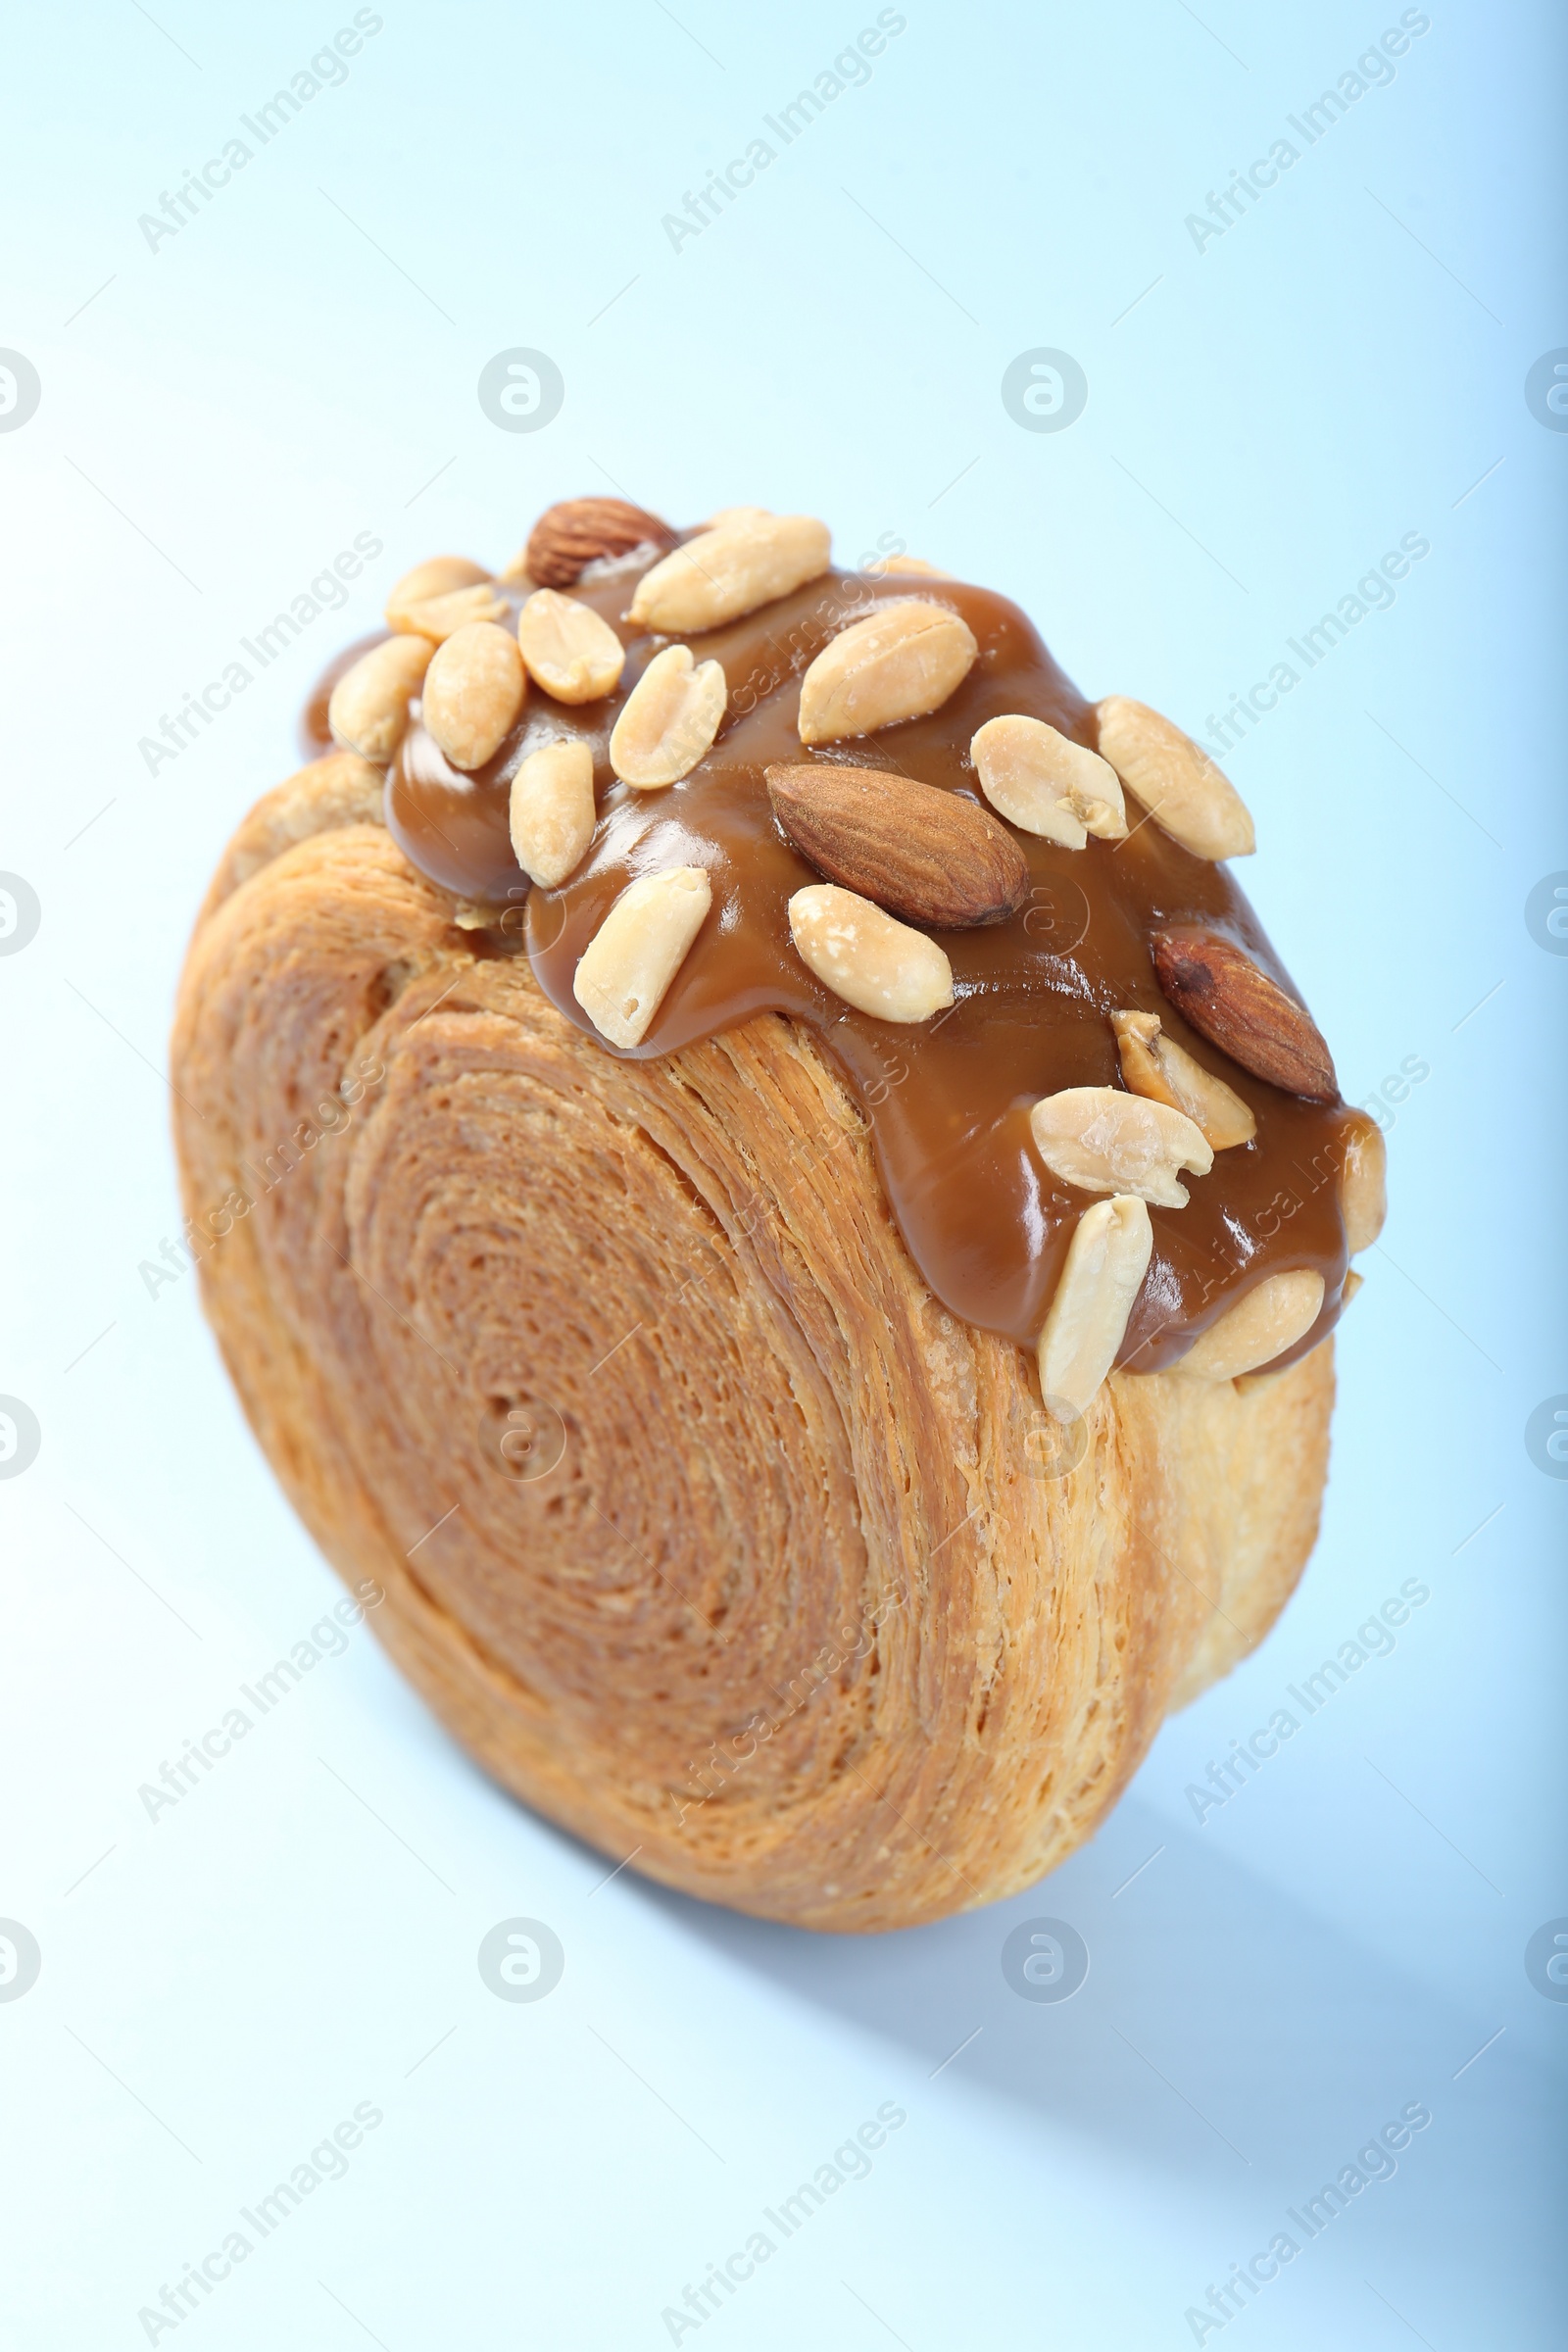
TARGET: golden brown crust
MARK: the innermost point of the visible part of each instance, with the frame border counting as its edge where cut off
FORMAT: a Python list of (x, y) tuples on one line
[(796, 1615)]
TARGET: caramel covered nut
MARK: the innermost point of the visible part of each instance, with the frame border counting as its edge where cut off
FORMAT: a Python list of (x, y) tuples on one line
[(627, 966), (1363, 1186), (1044, 783), (876, 963), (1155, 1067), (1273, 1316), (1107, 1142), (473, 691), (437, 616), (369, 707), (883, 567), (569, 651), (552, 810), (1107, 1258), (579, 531), (749, 559), (1185, 793), (930, 855), (901, 661), (669, 720), (437, 578)]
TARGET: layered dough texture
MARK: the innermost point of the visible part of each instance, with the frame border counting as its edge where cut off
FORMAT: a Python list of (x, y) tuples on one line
[(701, 1525)]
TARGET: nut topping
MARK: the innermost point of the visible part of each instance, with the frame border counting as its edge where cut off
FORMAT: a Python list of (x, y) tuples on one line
[(749, 559), (901, 661), (1363, 1186), (551, 812), (624, 972), (1107, 1261), (436, 578), (1185, 793), (569, 651), (669, 720), (369, 707), (1272, 1317), (437, 616), (1155, 1067), (1218, 988), (473, 691), (1107, 1142), (876, 964), (579, 531), (931, 856), (1045, 784)]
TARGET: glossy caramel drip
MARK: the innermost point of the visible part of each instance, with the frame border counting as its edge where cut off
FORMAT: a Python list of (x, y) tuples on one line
[(947, 1102)]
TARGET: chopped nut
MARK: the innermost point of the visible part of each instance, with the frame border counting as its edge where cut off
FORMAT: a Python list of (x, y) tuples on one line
[(569, 651), (625, 971), (473, 691), (1107, 1142), (1363, 1185), (745, 561), (1273, 1316), (369, 706), (552, 810), (1185, 793), (1107, 1261), (898, 663), (1155, 1067), (869, 958), (438, 616), (436, 578), (1040, 780), (1353, 1283), (669, 720)]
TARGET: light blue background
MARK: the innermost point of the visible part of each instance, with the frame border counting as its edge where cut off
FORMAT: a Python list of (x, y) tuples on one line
[(1265, 418)]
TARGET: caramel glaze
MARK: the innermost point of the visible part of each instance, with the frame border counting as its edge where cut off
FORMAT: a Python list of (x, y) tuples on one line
[(948, 1101)]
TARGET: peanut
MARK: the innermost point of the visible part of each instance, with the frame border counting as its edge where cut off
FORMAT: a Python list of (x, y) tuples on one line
[(369, 707), (569, 651), (473, 691), (624, 972)]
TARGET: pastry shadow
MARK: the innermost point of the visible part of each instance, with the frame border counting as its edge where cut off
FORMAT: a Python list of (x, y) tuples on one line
[(1224, 2035)]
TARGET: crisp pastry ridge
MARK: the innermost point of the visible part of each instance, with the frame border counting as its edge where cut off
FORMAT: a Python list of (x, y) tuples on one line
[(702, 1521)]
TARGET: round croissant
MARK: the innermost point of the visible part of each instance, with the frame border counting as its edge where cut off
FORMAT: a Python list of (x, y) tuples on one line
[(699, 1522)]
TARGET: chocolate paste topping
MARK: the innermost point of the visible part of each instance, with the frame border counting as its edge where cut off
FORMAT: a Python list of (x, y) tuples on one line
[(948, 1101)]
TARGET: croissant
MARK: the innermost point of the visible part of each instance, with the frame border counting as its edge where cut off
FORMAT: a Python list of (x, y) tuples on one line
[(752, 1166)]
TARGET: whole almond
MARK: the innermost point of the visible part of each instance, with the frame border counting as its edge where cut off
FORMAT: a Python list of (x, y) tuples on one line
[(569, 651), (579, 531), (551, 812), (1155, 1067), (1185, 793), (1045, 784), (901, 661), (929, 855), (437, 576), (876, 964), (669, 720), (1218, 988), (746, 561), (1272, 1316), (1103, 1140), (369, 707), (624, 973), (473, 691), (1107, 1261)]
